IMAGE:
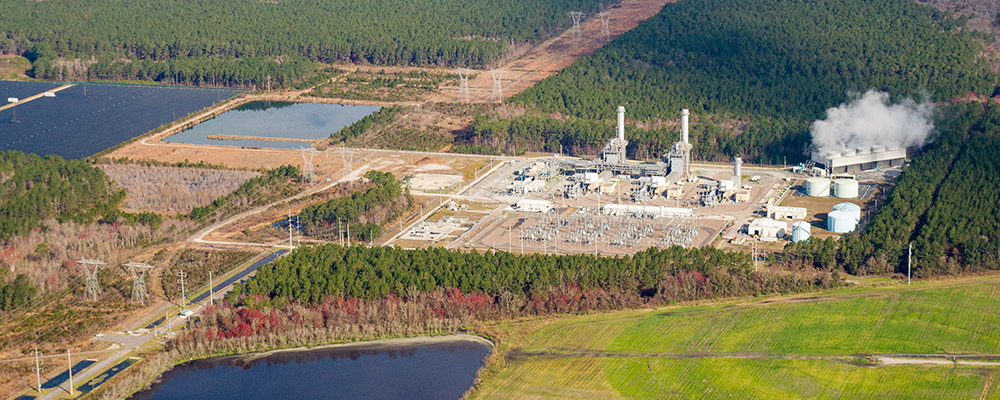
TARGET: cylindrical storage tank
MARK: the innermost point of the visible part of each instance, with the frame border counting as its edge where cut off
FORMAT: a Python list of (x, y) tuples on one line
[(801, 230), (818, 187), (849, 208), (840, 222), (845, 188)]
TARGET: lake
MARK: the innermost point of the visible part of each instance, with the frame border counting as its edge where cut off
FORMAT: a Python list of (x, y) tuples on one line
[(438, 369), (274, 119), (88, 118)]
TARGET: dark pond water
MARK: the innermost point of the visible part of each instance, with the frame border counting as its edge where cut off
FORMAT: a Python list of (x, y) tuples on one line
[(438, 370), (274, 119), (88, 118)]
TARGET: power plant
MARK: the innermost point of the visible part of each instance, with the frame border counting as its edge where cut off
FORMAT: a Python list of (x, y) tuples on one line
[(675, 166)]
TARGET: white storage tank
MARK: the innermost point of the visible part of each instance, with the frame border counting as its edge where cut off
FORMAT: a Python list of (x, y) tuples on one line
[(850, 208), (818, 187), (841, 222), (845, 188), (801, 230)]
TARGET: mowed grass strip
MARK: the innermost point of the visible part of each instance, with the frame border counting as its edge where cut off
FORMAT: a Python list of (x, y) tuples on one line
[(919, 319), (708, 378), (550, 378)]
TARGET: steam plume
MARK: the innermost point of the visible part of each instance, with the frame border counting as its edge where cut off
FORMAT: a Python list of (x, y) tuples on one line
[(869, 120)]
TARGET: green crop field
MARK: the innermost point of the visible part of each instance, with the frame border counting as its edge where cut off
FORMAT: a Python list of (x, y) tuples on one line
[(803, 347)]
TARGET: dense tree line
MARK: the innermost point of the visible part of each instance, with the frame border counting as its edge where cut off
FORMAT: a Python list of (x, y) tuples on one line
[(945, 203), (756, 60), (16, 294), (36, 188), (378, 118), (362, 213), (272, 185), (771, 140), (263, 36), (314, 274)]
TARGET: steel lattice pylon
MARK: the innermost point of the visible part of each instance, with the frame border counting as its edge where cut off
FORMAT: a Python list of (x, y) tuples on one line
[(90, 268), (138, 273), (497, 85), (463, 88)]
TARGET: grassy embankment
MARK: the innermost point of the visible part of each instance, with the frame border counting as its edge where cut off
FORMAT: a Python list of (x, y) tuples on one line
[(732, 350)]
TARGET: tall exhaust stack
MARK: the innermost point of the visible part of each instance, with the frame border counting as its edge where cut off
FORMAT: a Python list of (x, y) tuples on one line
[(738, 172), (684, 125), (621, 123)]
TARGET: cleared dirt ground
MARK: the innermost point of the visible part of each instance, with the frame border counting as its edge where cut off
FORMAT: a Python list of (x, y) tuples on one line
[(557, 53)]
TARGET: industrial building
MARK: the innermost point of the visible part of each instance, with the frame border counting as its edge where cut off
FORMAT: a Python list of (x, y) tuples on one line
[(849, 161), (767, 229), (778, 212), (646, 211), (531, 205)]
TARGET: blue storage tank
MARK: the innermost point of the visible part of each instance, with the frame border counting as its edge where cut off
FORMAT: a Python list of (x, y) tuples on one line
[(851, 208), (838, 221)]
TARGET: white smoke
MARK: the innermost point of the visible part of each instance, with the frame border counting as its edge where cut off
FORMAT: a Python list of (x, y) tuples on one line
[(869, 120)]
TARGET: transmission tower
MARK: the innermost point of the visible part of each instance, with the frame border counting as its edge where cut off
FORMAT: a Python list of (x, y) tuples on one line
[(138, 273), (307, 164), (577, 33), (463, 88), (497, 85), (182, 274), (605, 29), (90, 270), (347, 157)]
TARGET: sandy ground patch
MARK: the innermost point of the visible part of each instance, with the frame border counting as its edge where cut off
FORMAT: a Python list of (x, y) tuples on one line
[(428, 181)]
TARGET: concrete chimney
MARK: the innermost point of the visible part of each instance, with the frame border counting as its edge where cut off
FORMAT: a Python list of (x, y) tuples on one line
[(621, 122), (684, 125)]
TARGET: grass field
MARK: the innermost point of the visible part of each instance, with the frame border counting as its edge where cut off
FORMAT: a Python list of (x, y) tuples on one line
[(802, 347)]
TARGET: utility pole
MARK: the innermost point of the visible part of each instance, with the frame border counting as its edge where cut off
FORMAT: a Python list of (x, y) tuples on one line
[(211, 294), (182, 275), (38, 370), (290, 244), (69, 361), (909, 263)]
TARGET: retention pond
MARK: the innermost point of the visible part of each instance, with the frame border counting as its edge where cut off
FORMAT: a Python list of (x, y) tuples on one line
[(273, 124), (436, 368)]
